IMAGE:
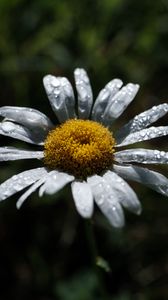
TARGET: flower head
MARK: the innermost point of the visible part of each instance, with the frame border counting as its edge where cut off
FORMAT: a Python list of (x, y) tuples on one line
[(83, 150), (79, 147)]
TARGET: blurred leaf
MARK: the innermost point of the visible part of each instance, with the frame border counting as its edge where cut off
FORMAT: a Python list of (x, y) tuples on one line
[(81, 287), (102, 263)]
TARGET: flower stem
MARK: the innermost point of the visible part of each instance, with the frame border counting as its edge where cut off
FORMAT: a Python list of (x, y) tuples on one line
[(94, 256)]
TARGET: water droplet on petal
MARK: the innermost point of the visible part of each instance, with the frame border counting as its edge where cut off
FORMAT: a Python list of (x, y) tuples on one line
[(7, 127), (101, 200)]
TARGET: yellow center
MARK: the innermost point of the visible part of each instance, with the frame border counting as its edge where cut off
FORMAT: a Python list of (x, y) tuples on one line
[(79, 147)]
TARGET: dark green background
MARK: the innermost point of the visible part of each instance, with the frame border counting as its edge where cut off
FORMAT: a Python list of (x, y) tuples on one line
[(44, 250)]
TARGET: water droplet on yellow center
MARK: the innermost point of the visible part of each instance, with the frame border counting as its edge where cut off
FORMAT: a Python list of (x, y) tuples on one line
[(79, 147)]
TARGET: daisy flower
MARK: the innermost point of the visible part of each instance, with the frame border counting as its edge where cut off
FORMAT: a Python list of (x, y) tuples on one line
[(83, 150)]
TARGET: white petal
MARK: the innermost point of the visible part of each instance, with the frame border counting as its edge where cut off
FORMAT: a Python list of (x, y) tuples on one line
[(30, 118), (144, 156), (55, 181), (19, 132), (119, 103), (32, 189), (18, 182), (143, 120), (83, 198), (143, 135), (124, 192), (152, 179), (11, 153), (84, 90), (104, 97), (61, 97), (106, 200)]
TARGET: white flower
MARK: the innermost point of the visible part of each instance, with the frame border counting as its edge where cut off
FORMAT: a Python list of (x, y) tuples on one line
[(82, 152)]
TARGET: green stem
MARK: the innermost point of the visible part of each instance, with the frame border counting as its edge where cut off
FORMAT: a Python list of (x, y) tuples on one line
[(94, 255)]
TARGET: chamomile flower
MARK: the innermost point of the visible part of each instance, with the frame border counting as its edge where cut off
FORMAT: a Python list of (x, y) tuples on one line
[(82, 150)]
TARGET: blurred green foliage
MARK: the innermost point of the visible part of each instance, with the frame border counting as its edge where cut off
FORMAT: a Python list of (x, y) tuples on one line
[(44, 252)]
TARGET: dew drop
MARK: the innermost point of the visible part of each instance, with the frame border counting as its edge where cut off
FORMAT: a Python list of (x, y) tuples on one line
[(101, 200), (7, 127), (17, 187)]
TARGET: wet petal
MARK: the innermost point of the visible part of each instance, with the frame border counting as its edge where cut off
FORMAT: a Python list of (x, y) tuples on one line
[(104, 98), (144, 156), (20, 181), (142, 120), (119, 103), (19, 132), (55, 181), (83, 198), (11, 153), (61, 97), (143, 135), (152, 179), (84, 90), (32, 119), (106, 200), (124, 192), (32, 189)]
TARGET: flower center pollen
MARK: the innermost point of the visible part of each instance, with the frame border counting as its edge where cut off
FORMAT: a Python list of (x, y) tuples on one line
[(79, 147)]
